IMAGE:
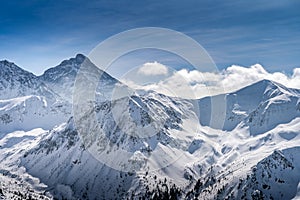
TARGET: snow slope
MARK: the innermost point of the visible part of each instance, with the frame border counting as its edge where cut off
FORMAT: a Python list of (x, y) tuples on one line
[(30, 112), (15, 182), (217, 159), (63, 155), (247, 164)]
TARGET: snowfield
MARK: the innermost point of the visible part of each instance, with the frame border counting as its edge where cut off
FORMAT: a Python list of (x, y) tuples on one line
[(144, 145)]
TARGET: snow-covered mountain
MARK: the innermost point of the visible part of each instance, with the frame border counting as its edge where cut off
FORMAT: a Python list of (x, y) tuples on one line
[(165, 148), (28, 101), (260, 106), (61, 78), (16, 82)]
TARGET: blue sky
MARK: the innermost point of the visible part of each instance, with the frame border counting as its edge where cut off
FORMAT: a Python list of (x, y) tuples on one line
[(38, 34)]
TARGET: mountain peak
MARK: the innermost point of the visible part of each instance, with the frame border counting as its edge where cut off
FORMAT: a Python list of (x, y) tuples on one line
[(264, 83), (77, 60), (265, 88), (268, 83), (10, 69), (6, 62), (80, 57), (273, 88), (69, 66)]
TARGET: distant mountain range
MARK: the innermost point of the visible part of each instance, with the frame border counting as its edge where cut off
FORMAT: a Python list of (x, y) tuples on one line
[(46, 152)]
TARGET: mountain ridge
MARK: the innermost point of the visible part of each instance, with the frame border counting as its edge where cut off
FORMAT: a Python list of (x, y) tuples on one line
[(57, 161)]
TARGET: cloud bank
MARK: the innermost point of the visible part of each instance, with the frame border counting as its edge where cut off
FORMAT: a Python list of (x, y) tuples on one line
[(196, 84)]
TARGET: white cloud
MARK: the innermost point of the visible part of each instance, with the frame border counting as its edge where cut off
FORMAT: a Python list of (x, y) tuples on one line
[(153, 69), (196, 84), (236, 77)]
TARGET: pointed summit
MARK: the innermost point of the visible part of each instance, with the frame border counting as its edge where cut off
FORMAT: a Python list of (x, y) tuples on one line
[(61, 78)]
